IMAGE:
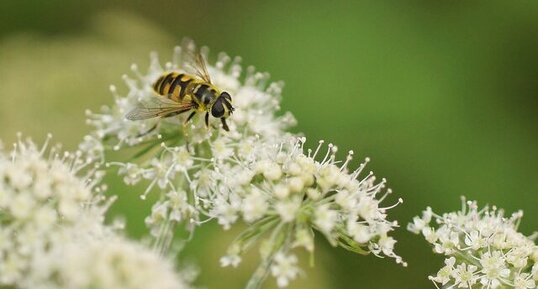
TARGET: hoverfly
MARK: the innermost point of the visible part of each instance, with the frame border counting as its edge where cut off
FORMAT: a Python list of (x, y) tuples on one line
[(177, 93)]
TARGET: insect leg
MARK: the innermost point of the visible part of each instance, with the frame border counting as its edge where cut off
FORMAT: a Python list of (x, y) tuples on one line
[(207, 119), (149, 130), (176, 113), (224, 124), (190, 116)]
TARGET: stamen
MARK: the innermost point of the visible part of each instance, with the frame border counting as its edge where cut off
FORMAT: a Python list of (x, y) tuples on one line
[(387, 192), (329, 149), (135, 70), (296, 145), (370, 174), (223, 59), (349, 157), (14, 152), (168, 66), (131, 83), (235, 67), (320, 143), (114, 92), (46, 144), (154, 65), (400, 201), (262, 79), (302, 141), (357, 171), (176, 56), (249, 78), (148, 189), (333, 155), (189, 44)]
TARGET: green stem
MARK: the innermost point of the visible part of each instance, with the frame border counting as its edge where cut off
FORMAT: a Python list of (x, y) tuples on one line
[(261, 273)]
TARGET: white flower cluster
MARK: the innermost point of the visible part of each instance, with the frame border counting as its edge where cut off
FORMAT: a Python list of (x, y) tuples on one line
[(483, 248), (39, 198), (51, 224), (256, 172), (286, 193), (181, 156), (111, 262)]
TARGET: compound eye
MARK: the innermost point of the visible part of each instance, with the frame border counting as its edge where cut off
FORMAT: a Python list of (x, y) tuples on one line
[(217, 110), (226, 95)]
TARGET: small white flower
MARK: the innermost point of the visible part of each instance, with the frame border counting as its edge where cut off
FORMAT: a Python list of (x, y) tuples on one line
[(524, 281), (325, 218), (464, 276), (230, 260), (133, 174), (420, 223), (284, 269), (444, 275), (288, 209), (359, 232), (227, 210), (22, 205), (493, 268), (386, 244), (304, 237), (254, 206), (474, 240)]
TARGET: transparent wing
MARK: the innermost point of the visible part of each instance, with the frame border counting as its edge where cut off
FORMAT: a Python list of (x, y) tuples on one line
[(158, 107), (201, 67), (160, 102), (197, 64)]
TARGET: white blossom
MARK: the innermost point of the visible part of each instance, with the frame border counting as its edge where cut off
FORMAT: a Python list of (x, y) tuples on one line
[(284, 269), (254, 206), (256, 173), (282, 178), (42, 192), (52, 233), (483, 248), (182, 157), (112, 262)]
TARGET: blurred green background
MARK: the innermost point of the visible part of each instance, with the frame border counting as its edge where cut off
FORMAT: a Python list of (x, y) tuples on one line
[(442, 95)]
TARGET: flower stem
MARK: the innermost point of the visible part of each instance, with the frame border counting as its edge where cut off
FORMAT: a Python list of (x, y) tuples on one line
[(260, 274)]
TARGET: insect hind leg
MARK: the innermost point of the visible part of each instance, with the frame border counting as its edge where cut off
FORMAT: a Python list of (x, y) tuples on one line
[(148, 131), (175, 113)]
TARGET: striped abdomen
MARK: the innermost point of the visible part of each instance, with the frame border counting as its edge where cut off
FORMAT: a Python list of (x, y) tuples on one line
[(173, 85)]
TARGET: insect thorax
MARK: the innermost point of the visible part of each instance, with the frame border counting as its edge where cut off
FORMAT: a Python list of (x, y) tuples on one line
[(204, 94)]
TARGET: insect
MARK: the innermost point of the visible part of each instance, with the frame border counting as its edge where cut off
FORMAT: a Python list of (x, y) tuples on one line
[(177, 93)]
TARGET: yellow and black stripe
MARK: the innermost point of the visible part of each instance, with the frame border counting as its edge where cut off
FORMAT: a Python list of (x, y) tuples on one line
[(173, 85)]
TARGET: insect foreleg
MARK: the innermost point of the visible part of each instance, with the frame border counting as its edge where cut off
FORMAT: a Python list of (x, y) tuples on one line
[(224, 124)]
